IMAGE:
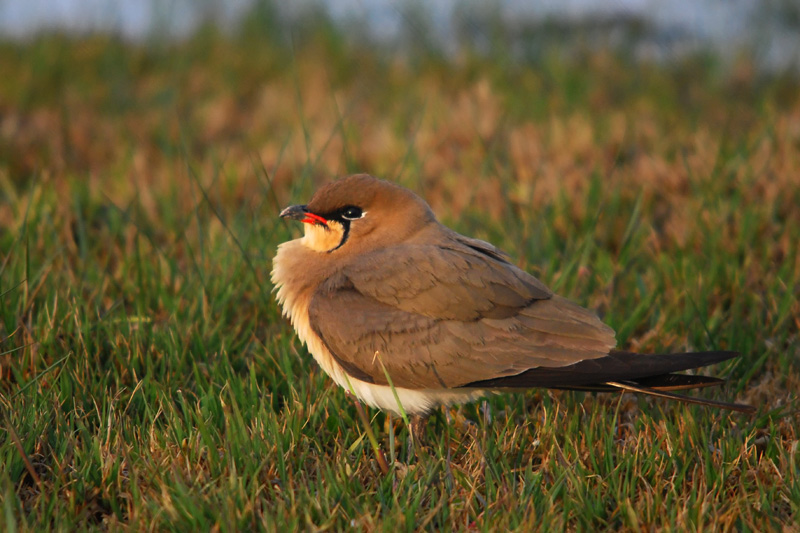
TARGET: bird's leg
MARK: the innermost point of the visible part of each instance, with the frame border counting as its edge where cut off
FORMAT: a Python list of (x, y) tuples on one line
[(416, 432), (417, 426), (487, 413), (371, 436)]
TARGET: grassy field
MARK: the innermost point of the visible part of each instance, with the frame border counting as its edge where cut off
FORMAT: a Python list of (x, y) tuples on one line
[(148, 382)]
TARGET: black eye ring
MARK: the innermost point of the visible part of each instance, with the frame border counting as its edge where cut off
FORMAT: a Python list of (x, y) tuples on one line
[(352, 213)]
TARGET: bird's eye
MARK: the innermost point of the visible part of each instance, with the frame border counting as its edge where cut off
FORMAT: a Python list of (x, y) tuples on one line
[(352, 213)]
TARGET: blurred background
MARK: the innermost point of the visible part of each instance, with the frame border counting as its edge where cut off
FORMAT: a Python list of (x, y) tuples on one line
[(329, 87), (765, 30)]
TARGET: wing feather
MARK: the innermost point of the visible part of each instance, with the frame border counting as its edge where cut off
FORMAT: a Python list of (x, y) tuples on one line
[(463, 316)]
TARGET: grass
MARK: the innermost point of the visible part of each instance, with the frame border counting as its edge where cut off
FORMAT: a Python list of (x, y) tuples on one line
[(147, 380)]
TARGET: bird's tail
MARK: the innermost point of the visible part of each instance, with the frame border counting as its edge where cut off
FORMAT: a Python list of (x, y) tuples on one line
[(628, 371), (662, 385)]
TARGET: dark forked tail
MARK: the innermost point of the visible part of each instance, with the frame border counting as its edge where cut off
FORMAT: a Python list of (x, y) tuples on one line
[(629, 371)]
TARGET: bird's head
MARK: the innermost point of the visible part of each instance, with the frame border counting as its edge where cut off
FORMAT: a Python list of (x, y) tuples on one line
[(360, 213)]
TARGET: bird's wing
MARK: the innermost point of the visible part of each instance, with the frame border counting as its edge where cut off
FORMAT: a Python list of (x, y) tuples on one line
[(434, 316), (450, 281)]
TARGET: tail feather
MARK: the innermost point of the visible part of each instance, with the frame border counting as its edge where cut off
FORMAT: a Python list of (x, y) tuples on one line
[(626, 386), (665, 382), (647, 374)]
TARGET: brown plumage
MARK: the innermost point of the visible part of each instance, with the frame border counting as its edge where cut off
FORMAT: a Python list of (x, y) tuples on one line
[(397, 308)]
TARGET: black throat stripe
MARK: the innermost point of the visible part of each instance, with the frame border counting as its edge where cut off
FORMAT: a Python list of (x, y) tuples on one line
[(345, 234)]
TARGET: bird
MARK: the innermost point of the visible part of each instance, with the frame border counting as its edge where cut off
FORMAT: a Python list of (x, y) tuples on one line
[(408, 315)]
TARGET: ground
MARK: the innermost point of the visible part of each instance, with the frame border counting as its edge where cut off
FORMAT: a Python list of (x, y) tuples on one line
[(148, 381)]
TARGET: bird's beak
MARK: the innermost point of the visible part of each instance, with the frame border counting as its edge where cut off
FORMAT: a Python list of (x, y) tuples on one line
[(294, 212), (299, 212)]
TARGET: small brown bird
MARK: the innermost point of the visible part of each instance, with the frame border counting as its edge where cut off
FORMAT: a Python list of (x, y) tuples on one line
[(403, 311)]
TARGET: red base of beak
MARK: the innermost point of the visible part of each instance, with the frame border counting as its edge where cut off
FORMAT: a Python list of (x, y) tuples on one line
[(311, 218)]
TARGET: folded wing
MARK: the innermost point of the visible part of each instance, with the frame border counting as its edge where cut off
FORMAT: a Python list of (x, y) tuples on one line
[(464, 316)]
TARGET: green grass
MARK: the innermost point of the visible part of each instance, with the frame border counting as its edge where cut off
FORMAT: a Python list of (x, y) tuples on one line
[(147, 380)]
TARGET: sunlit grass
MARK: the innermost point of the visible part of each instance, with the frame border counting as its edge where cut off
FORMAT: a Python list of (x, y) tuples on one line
[(151, 383)]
